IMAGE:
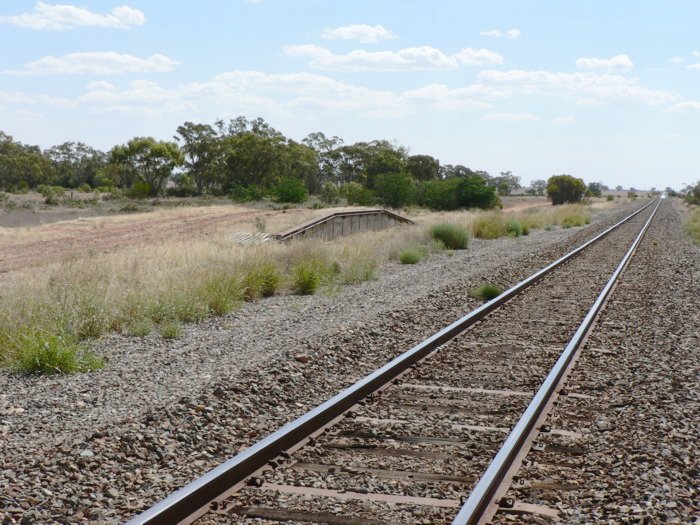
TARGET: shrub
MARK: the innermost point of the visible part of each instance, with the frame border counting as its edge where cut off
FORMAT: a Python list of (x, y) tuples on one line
[(438, 194), (394, 190), (514, 228), (242, 193), (85, 188), (330, 193), (140, 190), (289, 189), (472, 192), (565, 188), (306, 278), (170, 330), (357, 194), (610, 198), (452, 236), (38, 352), (261, 281), (486, 292), (411, 256)]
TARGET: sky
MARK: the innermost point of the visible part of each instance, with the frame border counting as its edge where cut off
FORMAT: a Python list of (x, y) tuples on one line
[(603, 90)]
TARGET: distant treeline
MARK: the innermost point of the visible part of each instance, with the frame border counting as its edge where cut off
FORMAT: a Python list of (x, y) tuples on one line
[(248, 160)]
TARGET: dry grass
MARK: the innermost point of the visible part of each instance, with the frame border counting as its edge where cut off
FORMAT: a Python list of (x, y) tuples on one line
[(185, 281), (693, 224)]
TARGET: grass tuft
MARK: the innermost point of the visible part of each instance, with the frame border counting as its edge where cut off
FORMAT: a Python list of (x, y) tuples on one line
[(140, 327), (514, 228), (261, 281), (486, 292), (693, 226), (170, 330), (453, 236), (306, 277), (39, 352), (411, 256)]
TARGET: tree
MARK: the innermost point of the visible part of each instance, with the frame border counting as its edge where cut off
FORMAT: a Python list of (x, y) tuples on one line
[(394, 189), (505, 183), (595, 189), (539, 186), (473, 192), (200, 147), (423, 167), (151, 161), (327, 163), (565, 188), (75, 163), (289, 189)]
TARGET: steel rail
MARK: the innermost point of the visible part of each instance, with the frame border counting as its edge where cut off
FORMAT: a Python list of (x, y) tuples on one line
[(482, 496), (191, 500)]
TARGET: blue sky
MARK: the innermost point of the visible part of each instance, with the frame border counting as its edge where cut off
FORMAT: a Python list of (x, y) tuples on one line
[(599, 89)]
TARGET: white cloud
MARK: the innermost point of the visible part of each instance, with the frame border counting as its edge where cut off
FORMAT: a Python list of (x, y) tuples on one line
[(101, 85), (696, 53), (62, 17), (512, 117), (689, 105), (693, 66), (616, 63), (497, 33), (363, 33), (409, 59), (478, 57), (677, 60), (564, 121), (97, 63), (585, 88)]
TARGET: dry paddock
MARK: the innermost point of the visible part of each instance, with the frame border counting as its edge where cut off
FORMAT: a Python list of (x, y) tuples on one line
[(97, 447)]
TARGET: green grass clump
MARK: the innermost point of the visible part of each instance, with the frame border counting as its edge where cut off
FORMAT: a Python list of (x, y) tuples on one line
[(140, 327), (693, 226), (486, 292), (570, 221), (220, 294), (358, 270), (514, 228), (261, 281), (411, 256), (306, 277), (170, 330), (39, 352), (489, 226), (454, 237)]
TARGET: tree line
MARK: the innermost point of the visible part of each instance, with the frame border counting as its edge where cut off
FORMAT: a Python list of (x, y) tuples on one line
[(249, 159)]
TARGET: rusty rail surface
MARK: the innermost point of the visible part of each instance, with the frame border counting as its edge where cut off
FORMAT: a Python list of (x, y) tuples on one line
[(301, 229), (193, 500)]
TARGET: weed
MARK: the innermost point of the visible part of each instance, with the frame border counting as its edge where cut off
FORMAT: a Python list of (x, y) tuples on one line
[(514, 228), (170, 330), (549, 227), (140, 327), (39, 352), (570, 221), (486, 292), (306, 277), (261, 281), (490, 226), (411, 256), (454, 237)]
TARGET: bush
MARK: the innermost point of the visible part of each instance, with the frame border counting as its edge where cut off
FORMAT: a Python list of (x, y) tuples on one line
[(565, 188), (306, 277), (458, 192), (170, 330), (610, 198), (85, 188), (261, 281), (514, 228), (38, 352), (486, 292), (394, 190), (411, 256), (289, 189), (452, 236), (242, 193), (330, 193), (357, 194), (140, 190)]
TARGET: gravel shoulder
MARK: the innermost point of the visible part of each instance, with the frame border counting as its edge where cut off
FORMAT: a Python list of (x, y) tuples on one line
[(104, 444)]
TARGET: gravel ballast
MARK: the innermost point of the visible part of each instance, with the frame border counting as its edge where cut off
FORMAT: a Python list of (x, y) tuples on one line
[(162, 413)]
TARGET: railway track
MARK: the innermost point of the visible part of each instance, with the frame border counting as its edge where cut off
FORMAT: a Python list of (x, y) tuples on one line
[(409, 442)]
